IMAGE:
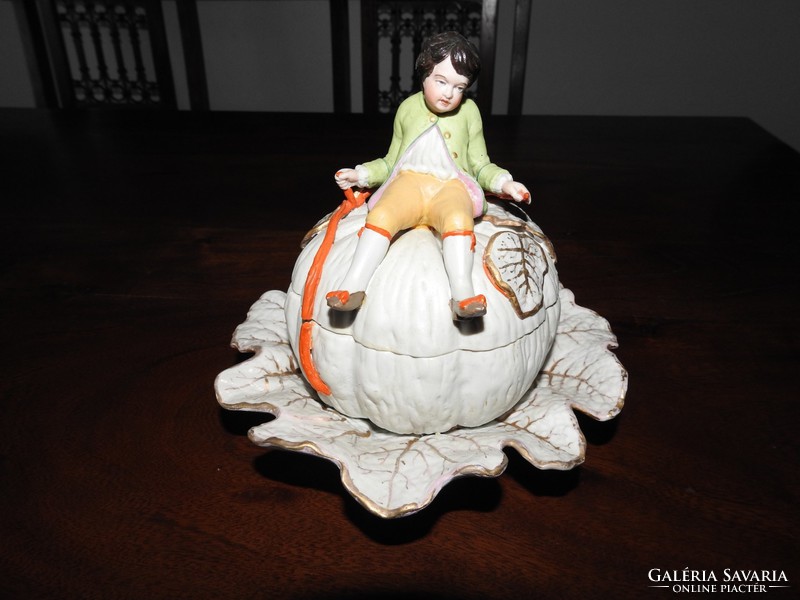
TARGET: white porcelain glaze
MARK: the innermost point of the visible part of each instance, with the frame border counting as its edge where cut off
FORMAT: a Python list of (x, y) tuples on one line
[(395, 474), (400, 360)]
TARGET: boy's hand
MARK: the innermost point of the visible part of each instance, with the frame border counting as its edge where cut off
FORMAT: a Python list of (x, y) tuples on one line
[(517, 191), (346, 178)]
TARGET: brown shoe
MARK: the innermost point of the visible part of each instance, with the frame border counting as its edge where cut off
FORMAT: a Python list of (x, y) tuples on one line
[(344, 300), (469, 308)]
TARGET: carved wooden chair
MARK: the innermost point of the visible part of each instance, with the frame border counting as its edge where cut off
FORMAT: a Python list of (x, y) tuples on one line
[(392, 33), (108, 53)]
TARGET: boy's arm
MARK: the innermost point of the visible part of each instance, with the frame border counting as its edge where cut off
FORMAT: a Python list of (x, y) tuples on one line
[(488, 175)]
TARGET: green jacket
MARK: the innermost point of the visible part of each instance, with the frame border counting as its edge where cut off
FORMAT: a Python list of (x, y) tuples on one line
[(462, 130)]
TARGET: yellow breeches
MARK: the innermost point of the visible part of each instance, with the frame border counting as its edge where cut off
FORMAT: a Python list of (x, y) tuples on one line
[(415, 199)]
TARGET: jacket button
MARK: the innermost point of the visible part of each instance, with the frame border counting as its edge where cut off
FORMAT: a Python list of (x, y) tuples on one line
[(447, 135), (455, 154), (432, 118)]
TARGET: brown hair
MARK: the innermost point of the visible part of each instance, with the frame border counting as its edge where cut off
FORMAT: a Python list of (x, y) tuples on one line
[(463, 54)]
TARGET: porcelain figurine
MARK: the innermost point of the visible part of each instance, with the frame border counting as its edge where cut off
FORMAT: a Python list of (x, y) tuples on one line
[(433, 175), (426, 328), (405, 268)]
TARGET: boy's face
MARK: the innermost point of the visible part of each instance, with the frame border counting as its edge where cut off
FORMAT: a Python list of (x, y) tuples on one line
[(444, 88)]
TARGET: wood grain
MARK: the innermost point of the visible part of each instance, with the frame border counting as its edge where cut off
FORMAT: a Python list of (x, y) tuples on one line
[(134, 243)]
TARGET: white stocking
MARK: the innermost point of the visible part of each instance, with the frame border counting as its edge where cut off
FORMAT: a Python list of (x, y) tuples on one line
[(370, 251), (458, 256)]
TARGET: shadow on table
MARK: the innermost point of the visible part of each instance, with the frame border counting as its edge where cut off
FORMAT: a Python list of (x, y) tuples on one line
[(467, 493), (239, 422), (555, 482)]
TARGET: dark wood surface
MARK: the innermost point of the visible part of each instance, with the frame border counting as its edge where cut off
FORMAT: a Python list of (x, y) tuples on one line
[(133, 244)]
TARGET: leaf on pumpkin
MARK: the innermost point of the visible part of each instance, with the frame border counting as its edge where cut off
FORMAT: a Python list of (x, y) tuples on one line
[(517, 266)]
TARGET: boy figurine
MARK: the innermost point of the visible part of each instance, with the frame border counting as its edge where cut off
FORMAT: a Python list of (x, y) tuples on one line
[(433, 175)]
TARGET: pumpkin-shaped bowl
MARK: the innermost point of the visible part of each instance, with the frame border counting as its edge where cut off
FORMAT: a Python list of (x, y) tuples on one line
[(401, 360), (398, 474)]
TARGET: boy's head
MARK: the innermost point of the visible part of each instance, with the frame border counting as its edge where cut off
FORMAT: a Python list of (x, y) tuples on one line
[(449, 44)]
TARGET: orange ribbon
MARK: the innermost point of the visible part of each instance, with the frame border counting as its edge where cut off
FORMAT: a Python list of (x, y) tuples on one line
[(351, 201)]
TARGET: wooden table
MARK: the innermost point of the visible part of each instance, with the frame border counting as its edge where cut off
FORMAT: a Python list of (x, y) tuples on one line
[(133, 243)]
